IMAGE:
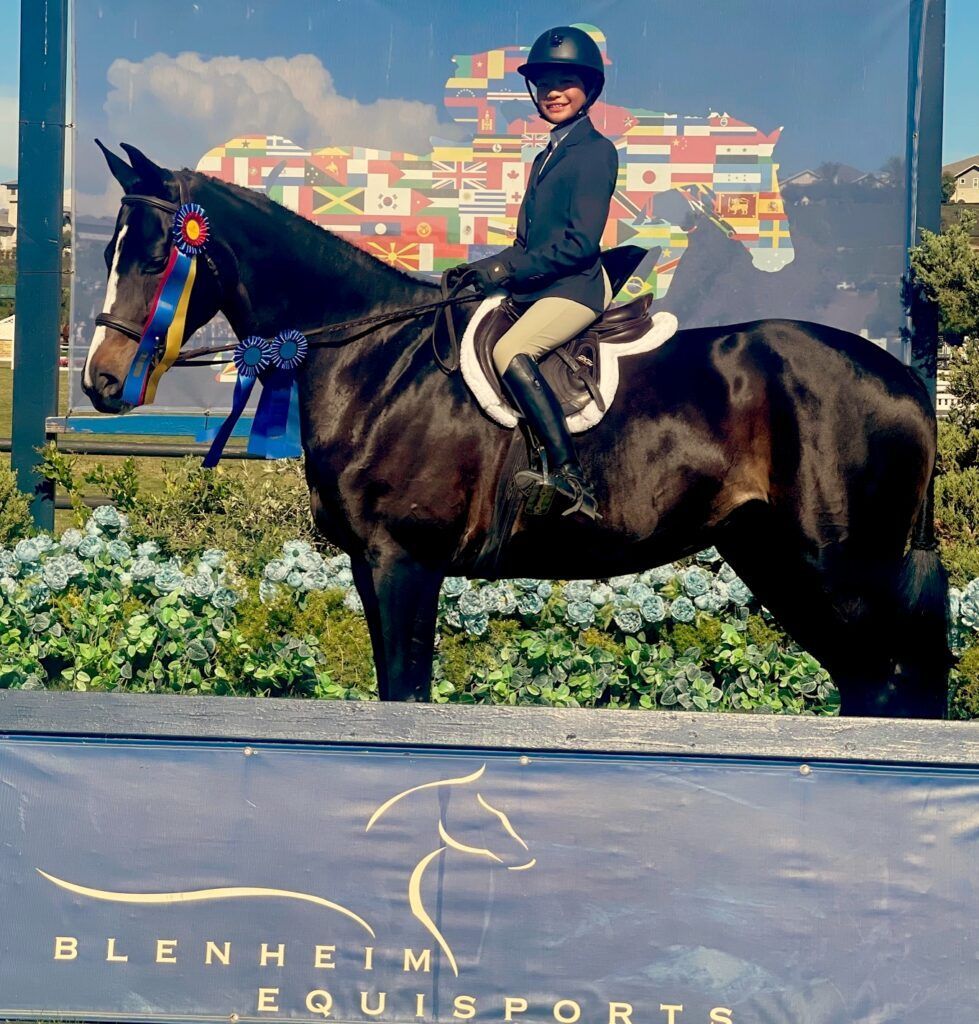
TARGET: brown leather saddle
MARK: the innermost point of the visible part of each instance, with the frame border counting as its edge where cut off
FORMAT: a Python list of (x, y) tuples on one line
[(574, 370)]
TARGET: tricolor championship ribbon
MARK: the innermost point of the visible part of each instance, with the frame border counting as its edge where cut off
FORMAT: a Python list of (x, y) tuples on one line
[(167, 321)]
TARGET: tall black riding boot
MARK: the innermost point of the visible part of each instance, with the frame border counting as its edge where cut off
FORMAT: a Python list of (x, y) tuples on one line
[(561, 473)]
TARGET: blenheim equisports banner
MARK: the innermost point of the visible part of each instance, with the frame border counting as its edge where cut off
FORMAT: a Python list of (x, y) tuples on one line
[(761, 144), (152, 881)]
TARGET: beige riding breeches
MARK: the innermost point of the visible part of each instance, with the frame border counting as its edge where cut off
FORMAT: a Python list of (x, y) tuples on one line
[(547, 324)]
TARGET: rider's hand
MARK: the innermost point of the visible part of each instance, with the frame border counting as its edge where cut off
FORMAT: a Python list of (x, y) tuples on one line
[(488, 274), (454, 275)]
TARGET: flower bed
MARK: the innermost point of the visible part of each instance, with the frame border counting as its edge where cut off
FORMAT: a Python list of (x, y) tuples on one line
[(96, 609), (92, 609)]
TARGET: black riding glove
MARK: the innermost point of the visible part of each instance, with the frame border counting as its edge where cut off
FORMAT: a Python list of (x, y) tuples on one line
[(484, 275)]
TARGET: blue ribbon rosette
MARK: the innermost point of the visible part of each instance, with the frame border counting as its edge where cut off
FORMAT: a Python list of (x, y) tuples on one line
[(251, 357), (275, 432), (275, 429)]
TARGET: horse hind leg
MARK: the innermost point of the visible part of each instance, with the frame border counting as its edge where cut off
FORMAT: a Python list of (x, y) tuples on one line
[(832, 601)]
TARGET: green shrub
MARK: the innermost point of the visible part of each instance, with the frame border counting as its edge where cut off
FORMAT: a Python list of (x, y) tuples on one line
[(964, 701), (248, 509), (15, 509)]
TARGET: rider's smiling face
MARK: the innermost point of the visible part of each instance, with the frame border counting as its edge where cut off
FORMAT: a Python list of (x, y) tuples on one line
[(560, 95)]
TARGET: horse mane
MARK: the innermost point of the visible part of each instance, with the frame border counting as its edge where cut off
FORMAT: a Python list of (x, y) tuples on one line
[(308, 232)]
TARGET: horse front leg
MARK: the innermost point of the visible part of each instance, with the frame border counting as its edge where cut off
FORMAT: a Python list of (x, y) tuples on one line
[(400, 600)]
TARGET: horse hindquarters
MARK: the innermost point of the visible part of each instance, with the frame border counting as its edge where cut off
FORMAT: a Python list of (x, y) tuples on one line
[(831, 601), (852, 452)]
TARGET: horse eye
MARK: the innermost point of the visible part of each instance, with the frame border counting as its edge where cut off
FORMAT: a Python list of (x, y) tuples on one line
[(156, 266)]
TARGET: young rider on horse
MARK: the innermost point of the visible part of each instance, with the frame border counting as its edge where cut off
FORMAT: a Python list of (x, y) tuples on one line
[(554, 263)]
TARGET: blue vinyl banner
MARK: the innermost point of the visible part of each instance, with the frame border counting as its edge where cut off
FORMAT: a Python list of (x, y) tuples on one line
[(151, 881), (761, 144)]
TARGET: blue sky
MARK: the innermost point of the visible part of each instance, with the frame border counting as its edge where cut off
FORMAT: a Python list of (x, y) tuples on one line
[(961, 105), (961, 102)]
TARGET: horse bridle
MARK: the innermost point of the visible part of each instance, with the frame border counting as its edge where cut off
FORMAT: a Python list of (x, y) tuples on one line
[(134, 331), (130, 328)]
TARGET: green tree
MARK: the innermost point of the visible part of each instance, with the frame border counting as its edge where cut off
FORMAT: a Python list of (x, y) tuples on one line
[(948, 187), (945, 273), (893, 169)]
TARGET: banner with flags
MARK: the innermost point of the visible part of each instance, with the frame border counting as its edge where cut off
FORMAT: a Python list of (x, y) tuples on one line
[(764, 179)]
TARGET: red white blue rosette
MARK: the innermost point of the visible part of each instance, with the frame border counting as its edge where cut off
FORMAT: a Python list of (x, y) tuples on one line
[(251, 356), (289, 349), (191, 229)]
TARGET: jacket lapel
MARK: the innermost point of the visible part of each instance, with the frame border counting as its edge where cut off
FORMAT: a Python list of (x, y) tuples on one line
[(577, 134)]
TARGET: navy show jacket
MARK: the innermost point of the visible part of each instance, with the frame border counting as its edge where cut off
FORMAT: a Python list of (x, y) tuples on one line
[(561, 220)]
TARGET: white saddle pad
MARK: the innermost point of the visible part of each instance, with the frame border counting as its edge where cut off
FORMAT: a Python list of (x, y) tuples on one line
[(663, 328)]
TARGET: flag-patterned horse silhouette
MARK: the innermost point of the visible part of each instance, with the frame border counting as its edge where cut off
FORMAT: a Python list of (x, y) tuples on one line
[(425, 213)]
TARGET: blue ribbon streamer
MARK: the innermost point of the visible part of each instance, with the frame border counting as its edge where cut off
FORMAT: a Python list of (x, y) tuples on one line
[(275, 432), (243, 388), (271, 436), (251, 357), (155, 331), (289, 445)]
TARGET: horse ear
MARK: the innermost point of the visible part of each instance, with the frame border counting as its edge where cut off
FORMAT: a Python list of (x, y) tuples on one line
[(120, 170), (147, 171)]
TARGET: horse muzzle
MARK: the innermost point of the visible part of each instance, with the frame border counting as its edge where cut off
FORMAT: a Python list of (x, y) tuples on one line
[(105, 373)]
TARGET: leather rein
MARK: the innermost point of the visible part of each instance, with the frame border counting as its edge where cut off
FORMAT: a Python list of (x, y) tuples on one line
[(134, 331)]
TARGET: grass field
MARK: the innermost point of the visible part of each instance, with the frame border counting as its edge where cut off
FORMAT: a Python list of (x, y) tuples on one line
[(150, 469)]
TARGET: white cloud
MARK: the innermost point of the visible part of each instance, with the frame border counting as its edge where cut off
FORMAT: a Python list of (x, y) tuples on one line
[(180, 107)]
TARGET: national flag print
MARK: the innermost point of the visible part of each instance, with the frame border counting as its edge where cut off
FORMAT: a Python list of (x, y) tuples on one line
[(337, 200), (425, 212), (458, 174), (386, 201), (485, 202), (737, 204), (396, 254)]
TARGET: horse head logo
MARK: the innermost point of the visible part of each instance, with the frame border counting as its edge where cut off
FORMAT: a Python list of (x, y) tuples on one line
[(477, 830), (489, 836)]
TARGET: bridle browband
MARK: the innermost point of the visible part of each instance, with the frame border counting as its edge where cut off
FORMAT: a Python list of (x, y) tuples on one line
[(134, 331)]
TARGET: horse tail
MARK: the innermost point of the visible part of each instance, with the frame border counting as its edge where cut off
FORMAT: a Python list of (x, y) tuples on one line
[(924, 655)]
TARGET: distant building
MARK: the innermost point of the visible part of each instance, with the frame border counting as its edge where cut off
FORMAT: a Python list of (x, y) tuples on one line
[(8, 200), (803, 178), (9, 195), (8, 233), (838, 174), (966, 175), (944, 400)]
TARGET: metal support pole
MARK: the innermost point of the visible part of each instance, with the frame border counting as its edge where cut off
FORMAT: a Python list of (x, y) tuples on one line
[(43, 77), (926, 97)]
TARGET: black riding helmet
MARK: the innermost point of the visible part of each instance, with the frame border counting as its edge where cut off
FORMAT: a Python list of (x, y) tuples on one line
[(572, 49)]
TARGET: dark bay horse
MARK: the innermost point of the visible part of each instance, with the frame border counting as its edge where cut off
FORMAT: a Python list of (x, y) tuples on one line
[(804, 453)]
